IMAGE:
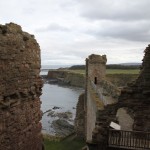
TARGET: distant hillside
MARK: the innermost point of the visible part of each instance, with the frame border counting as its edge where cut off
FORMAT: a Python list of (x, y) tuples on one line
[(111, 66), (77, 67), (121, 66), (130, 64)]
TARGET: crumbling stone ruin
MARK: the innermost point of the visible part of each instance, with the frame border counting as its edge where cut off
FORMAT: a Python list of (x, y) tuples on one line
[(20, 89), (80, 118), (136, 97), (98, 93), (104, 103)]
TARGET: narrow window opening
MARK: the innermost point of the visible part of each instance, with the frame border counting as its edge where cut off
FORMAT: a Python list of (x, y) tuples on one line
[(95, 80)]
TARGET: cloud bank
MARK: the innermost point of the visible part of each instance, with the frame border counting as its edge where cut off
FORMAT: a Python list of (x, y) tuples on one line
[(68, 31)]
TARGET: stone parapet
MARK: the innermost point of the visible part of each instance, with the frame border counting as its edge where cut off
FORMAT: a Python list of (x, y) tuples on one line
[(97, 59)]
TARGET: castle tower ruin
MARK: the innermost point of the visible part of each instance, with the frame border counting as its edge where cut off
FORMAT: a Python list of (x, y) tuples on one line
[(96, 67), (20, 89), (95, 72)]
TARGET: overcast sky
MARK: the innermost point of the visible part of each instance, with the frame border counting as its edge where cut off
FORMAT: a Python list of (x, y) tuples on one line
[(70, 30)]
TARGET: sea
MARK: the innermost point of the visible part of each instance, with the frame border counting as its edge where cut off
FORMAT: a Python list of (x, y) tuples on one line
[(64, 98)]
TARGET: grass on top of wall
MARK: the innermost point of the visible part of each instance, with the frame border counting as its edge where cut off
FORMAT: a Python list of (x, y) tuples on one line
[(74, 144)]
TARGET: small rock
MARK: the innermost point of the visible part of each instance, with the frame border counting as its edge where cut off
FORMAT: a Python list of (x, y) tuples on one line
[(51, 114), (62, 127), (55, 107)]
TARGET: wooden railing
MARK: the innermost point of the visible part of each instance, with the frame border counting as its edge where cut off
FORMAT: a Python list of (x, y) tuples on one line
[(129, 139)]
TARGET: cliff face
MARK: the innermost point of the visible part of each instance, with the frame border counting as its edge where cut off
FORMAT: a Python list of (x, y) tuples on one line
[(20, 89), (78, 80), (54, 74), (74, 79), (69, 78)]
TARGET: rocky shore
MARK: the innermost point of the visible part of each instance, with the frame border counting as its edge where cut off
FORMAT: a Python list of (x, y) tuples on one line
[(62, 123), (59, 109)]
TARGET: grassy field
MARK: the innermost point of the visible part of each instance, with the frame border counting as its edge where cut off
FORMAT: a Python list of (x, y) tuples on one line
[(122, 71), (112, 71), (64, 145)]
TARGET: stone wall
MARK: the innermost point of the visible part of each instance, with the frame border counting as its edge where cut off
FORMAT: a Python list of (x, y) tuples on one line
[(20, 89), (132, 109), (80, 118), (136, 96), (95, 72)]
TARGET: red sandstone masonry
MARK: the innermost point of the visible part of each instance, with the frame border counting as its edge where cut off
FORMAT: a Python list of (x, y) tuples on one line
[(20, 89)]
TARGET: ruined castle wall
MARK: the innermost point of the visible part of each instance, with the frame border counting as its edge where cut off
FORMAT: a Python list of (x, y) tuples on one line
[(91, 116), (95, 68), (101, 97), (80, 118), (136, 97), (132, 109), (20, 89)]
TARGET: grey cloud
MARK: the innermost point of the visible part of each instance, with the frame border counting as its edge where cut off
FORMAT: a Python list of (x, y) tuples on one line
[(28, 11), (132, 31), (115, 9), (68, 4), (53, 27)]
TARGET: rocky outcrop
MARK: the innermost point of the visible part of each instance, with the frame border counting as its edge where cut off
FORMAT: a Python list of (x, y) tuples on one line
[(74, 79), (64, 77), (20, 89), (62, 127), (55, 74)]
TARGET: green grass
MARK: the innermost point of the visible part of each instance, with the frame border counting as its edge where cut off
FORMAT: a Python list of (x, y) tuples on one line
[(112, 71), (75, 144), (122, 71)]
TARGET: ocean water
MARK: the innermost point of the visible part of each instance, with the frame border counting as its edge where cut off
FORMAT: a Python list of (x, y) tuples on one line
[(64, 97), (54, 66), (45, 68), (44, 72)]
